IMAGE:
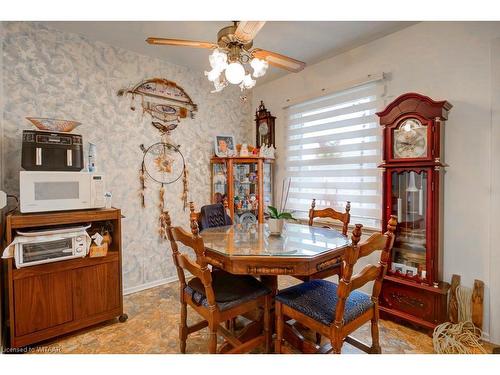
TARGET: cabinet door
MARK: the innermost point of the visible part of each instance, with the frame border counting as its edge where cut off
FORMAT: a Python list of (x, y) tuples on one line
[(96, 289), (42, 301)]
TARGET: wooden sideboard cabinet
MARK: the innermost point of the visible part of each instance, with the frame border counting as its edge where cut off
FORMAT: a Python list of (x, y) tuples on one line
[(52, 299)]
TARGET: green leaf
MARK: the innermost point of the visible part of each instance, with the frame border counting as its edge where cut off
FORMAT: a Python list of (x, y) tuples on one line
[(286, 215), (273, 212)]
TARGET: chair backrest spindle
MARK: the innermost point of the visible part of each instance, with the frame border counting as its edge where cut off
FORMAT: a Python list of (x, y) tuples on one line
[(199, 268), (370, 272)]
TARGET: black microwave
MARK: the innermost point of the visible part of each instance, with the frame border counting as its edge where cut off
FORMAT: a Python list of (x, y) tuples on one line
[(51, 151)]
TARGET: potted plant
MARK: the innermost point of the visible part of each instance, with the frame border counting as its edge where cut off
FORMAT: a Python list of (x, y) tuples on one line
[(277, 217)]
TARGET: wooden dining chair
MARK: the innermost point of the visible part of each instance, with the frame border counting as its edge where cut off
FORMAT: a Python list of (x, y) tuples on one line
[(330, 213), (344, 218), (216, 295), (212, 215), (335, 311)]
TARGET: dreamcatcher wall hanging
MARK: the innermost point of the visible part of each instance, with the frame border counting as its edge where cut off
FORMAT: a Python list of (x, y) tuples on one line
[(163, 162)]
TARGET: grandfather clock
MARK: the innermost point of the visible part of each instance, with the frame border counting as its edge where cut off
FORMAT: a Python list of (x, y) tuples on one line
[(413, 167), (264, 122)]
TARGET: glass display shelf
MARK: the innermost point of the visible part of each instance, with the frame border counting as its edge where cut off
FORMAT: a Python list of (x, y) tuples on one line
[(246, 193)]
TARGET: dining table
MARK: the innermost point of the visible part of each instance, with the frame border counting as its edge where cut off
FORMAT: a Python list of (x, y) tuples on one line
[(300, 250)]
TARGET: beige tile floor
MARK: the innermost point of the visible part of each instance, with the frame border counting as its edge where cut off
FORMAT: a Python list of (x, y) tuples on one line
[(152, 327)]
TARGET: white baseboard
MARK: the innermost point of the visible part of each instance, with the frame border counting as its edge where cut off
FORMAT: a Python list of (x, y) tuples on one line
[(152, 284)]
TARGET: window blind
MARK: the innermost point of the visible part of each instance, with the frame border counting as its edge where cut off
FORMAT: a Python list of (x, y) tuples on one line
[(333, 150)]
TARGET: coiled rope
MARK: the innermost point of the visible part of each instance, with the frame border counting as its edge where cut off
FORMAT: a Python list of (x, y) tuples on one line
[(463, 337)]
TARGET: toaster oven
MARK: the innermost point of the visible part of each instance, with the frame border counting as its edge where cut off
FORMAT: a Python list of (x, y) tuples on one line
[(32, 248)]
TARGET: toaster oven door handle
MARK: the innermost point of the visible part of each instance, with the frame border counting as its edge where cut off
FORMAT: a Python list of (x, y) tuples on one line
[(38, 156), (69, 158)]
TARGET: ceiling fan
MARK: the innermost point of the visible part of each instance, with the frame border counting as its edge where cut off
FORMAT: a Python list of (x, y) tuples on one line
[(233, 53)]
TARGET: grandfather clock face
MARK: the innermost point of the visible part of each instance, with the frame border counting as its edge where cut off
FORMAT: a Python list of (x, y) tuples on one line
[(410, 140)]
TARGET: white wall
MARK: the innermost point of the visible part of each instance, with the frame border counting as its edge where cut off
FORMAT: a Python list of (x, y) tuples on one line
[(495, 191), (444, 60)]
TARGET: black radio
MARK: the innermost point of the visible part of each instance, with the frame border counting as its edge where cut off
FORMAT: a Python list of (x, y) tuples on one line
[(51, 151)]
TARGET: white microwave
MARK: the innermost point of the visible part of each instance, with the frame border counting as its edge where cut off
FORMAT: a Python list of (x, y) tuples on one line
[(60, 191)]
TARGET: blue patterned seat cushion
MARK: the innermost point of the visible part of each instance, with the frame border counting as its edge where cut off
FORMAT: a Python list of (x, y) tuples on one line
[(230, 290), (318, 299)]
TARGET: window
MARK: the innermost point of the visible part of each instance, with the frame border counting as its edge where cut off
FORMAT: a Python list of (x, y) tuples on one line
[(333, 150)]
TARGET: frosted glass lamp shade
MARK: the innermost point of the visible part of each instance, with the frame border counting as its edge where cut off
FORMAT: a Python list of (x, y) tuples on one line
[(213, 75), (218, 60), (259, 67), (235, 73)]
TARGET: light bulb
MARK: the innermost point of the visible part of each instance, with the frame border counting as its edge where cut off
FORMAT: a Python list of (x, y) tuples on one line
[(235, 73), (259, 67)]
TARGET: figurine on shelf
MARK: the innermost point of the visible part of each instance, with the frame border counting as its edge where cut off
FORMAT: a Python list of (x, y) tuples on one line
[(252, 177), (267, 151), (244, 150)]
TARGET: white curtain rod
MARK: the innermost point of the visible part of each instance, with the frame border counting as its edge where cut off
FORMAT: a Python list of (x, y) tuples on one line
[(332, 89)]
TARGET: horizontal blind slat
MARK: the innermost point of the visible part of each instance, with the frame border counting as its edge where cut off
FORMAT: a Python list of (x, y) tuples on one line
[(336, 160), (335, 173), (355, 108), (373, 143), (327, 140), (336, 197), (337, 185), (365, 119), (338, 98)]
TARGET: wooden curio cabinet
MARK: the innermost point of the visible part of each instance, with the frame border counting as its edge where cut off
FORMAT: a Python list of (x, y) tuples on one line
[(413, 169), (246, 184)]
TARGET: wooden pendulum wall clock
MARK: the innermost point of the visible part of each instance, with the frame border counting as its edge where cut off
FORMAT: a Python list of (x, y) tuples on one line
[(264, 122), (413, 170)]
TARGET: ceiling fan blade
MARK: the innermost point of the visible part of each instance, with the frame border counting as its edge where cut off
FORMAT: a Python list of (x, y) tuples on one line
[(247, 30), (180, 43), (280, 61)]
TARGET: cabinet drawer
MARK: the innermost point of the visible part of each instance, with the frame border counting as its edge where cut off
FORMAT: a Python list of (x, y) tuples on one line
[(409, 300), (42, 302)]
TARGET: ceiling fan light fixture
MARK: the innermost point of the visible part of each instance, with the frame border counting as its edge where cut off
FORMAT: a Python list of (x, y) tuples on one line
[(218, 60), (219, 84), (213, 75), (259, 67), (248, 82), (235, 73)]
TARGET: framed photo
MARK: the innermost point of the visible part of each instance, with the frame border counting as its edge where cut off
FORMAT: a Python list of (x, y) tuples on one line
[(225, 145)]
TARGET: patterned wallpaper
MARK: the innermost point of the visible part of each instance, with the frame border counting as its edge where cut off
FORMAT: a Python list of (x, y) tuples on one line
[(50, 73)]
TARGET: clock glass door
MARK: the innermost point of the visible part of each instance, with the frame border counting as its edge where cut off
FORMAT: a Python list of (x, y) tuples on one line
[(408, 202)]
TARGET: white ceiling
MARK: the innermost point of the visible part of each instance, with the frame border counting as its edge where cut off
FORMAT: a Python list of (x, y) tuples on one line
[(304, 40)]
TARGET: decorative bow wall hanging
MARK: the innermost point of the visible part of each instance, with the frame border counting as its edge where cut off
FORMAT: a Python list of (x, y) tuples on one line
[(163, 162)]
